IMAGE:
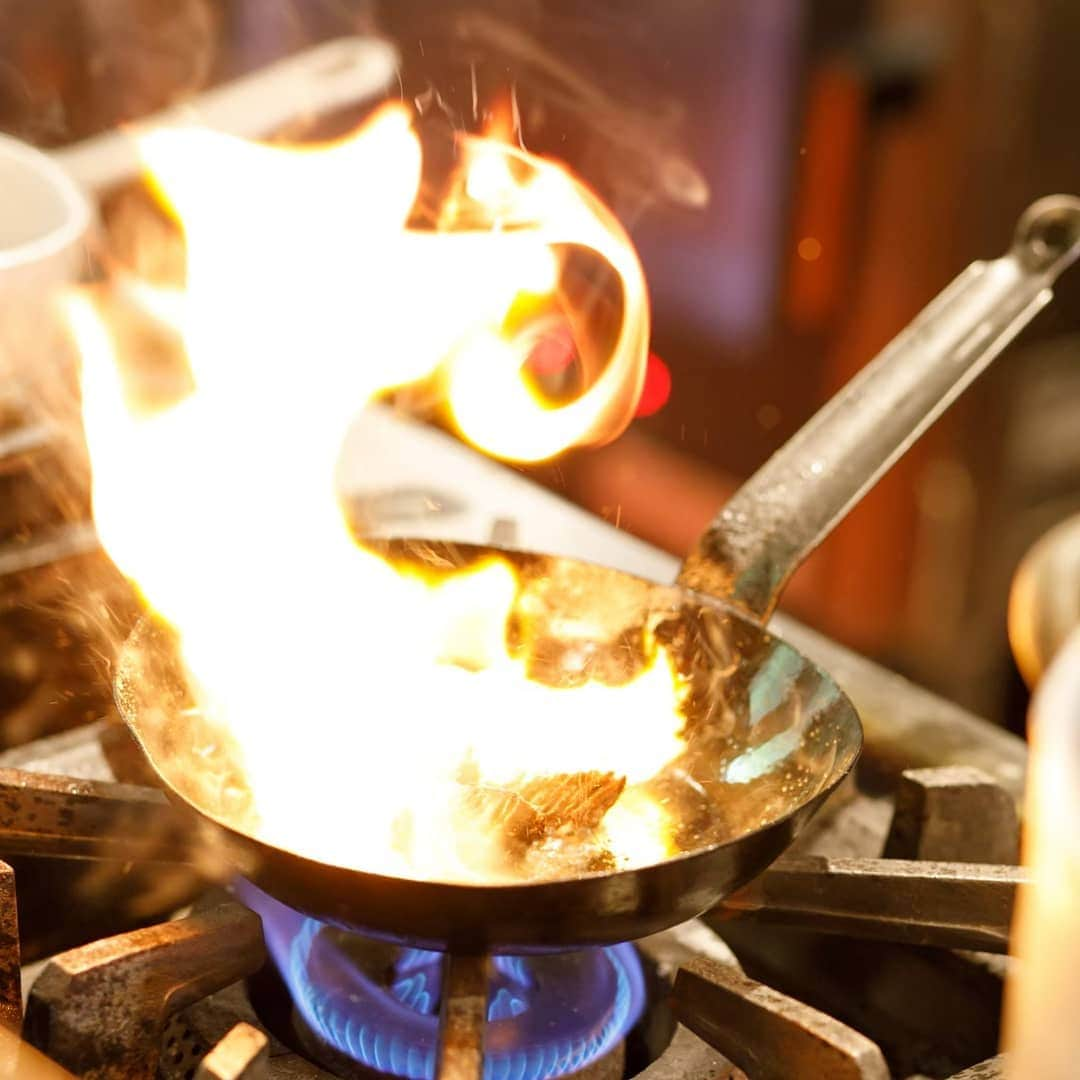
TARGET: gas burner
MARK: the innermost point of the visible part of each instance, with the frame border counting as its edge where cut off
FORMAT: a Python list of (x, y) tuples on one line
[(378, 1005)]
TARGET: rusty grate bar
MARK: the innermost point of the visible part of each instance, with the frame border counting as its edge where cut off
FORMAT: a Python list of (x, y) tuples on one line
[(953, 813), (42, 814), (10, 976), (945, 904), (463, 1018), (769, 1035)]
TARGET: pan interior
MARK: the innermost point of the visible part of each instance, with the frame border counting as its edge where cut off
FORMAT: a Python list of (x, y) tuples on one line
[(766, 730)]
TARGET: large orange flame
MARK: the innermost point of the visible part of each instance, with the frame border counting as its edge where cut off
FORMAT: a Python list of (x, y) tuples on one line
[(357, 691)]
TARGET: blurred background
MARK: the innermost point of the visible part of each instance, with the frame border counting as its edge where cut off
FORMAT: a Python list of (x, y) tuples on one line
[(799, 177)]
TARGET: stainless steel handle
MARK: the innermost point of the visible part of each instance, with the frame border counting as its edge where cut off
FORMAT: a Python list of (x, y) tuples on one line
[(807, 487), (320, 79)]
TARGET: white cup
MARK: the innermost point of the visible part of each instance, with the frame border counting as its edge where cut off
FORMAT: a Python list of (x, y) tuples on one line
[(44, 221), (45, 200)]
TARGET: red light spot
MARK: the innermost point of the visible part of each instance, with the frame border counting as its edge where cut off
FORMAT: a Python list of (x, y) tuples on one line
[(657, 388)]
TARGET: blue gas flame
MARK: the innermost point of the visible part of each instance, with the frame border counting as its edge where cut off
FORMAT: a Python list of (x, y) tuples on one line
[(548, 1015)]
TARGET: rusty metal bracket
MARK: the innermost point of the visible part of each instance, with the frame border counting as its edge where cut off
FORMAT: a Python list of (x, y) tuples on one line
[(100, 1010), (769, 1035), (243, 1054), (945, 904)]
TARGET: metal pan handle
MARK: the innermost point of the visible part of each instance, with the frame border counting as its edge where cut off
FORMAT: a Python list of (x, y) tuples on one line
[(807, 487), (316, 81)]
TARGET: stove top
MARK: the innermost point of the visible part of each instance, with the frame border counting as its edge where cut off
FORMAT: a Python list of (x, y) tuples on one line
[(836, 962), (873, 948)]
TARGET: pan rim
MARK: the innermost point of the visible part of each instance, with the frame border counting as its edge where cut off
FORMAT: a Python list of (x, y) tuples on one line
[(835, 776)]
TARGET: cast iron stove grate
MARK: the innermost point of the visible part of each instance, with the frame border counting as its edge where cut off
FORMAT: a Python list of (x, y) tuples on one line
[(902, 950)]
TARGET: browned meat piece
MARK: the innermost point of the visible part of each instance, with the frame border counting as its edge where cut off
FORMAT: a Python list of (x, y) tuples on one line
[(572, 800), (564, 810)]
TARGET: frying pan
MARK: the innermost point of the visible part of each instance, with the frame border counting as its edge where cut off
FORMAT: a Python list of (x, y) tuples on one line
[(769, 734)]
